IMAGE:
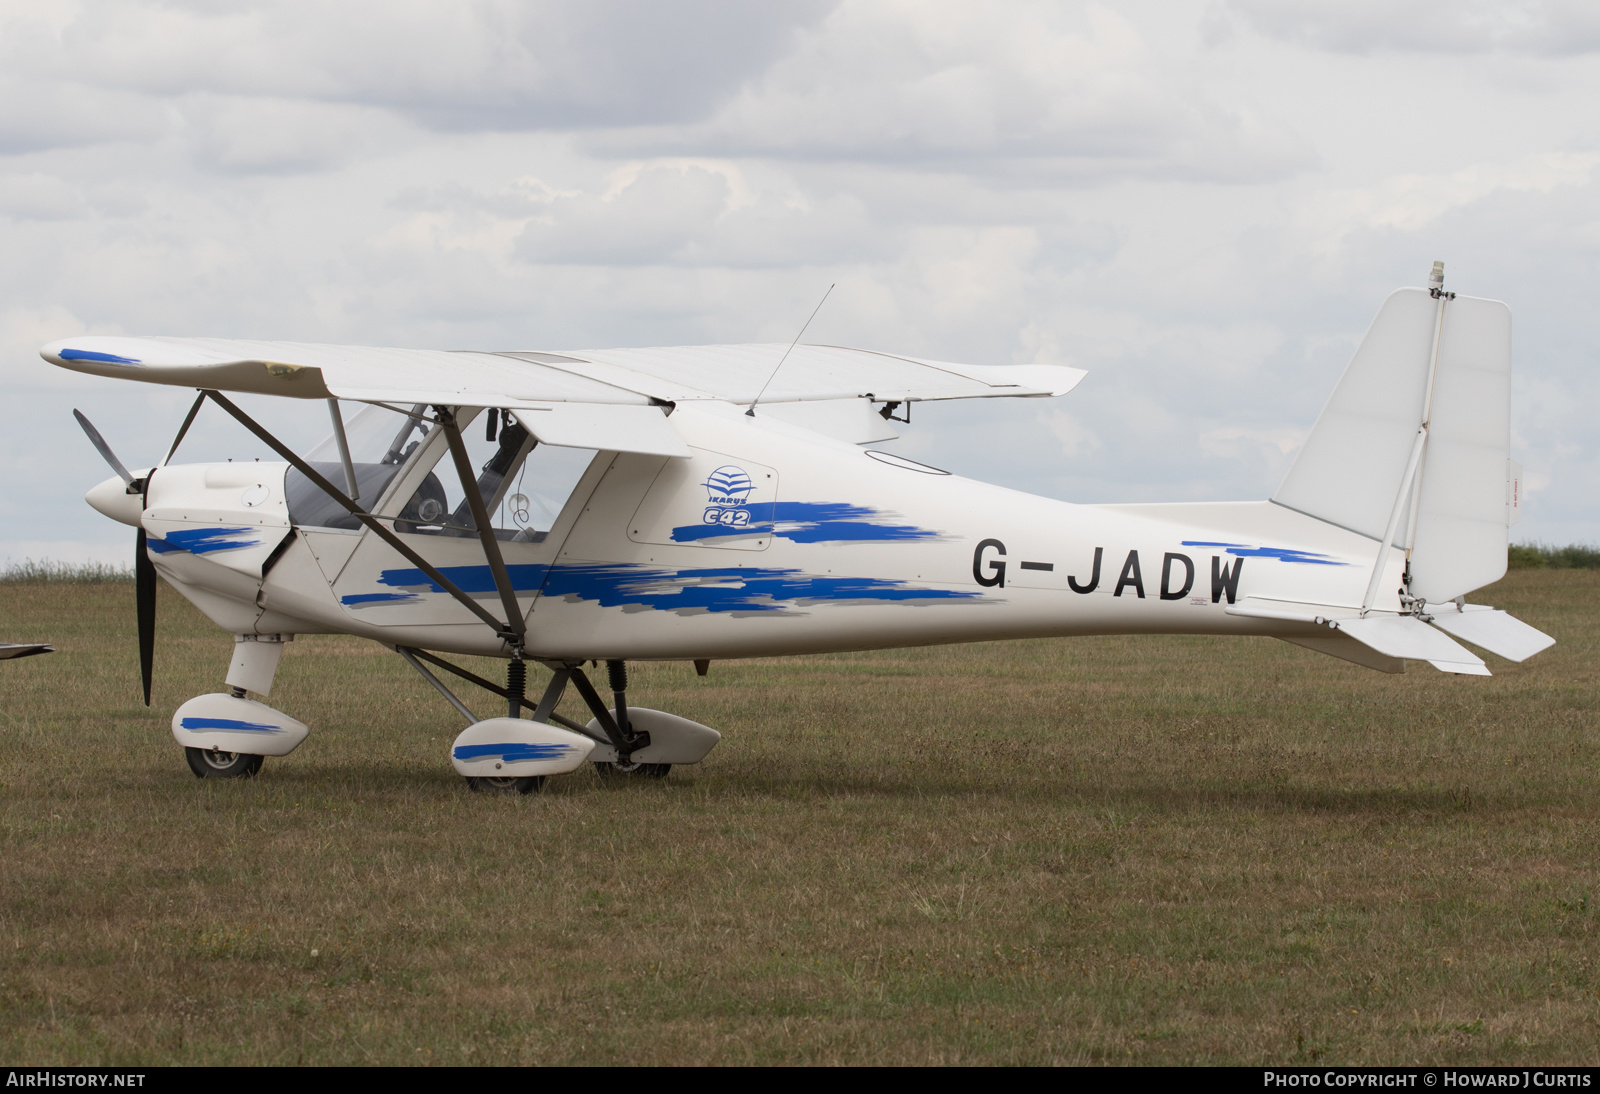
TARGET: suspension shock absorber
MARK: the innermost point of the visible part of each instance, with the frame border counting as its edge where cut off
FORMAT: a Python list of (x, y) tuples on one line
[(618, 671), (517, 682)]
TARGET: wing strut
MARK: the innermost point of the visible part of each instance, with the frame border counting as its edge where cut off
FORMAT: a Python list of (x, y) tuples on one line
[(480, 517), (438, 684), (344, 449), (510, 632), (183, 430)]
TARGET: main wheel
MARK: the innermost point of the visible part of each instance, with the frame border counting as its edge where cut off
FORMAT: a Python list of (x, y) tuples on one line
[(505, 784), (612, 769), (216, 764)]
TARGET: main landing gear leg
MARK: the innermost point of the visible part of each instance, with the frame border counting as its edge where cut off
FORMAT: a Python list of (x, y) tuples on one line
[(516, 683), (617, 672), (516, 699), (618, 729)]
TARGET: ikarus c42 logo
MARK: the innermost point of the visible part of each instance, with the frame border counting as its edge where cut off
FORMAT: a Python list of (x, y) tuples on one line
[(728, 492)]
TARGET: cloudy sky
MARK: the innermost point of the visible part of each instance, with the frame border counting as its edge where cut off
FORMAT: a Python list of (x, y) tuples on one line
[(1201, 203)]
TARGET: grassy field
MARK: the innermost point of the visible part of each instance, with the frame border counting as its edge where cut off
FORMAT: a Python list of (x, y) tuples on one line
[(1153, 850)]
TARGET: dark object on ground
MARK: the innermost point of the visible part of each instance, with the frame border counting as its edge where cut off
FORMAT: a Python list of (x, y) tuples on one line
[(10, 650)]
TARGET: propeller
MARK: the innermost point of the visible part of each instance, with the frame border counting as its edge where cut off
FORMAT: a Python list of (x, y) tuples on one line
[(104, 449), (144, 599), (144, 571)]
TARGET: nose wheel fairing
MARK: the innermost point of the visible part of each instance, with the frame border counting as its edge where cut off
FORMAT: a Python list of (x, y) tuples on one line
[(232, 723)]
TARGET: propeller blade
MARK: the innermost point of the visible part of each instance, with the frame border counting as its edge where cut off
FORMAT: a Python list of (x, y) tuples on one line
[(105, 449), (144, 584)]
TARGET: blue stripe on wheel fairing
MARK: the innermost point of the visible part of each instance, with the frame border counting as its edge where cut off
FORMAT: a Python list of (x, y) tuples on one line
[(227, 725), (512, 751)]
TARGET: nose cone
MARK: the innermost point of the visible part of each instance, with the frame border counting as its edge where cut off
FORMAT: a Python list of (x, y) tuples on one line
[(112, 499)]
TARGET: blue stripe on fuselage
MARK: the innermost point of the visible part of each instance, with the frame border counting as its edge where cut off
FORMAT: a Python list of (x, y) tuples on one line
[(730, 589), (687, 591), (203, 541), (525, 578), (362, 600), (1282, 554)]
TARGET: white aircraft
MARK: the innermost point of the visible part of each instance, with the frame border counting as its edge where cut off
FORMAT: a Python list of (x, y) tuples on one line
[(654, 504)]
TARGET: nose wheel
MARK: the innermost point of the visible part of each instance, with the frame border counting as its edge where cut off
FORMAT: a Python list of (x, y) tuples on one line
[(212, 763)]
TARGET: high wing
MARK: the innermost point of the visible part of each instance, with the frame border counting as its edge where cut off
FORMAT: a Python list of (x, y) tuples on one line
[(568, 388)]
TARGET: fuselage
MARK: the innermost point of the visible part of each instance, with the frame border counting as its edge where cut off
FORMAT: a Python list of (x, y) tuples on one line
[(771, 540)]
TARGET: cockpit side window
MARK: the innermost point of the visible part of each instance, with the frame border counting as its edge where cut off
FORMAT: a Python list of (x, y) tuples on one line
[(523, 484), (380, 439)]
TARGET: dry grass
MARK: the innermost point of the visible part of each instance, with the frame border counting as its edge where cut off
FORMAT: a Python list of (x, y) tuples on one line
[(1143, 850)]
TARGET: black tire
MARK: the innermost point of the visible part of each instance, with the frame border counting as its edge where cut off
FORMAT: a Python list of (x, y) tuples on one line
[(214, 764), (610, 769), (505, 784)]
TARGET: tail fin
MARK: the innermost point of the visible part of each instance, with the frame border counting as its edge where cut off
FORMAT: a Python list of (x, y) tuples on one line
[(1434, 369)]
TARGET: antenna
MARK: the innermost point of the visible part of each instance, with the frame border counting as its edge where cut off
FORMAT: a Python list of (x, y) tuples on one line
[(752, 411)]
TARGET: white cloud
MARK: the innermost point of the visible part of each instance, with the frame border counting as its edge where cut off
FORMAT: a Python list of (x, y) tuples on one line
[(1075, 438), (1060, 91), (677, 211), (1267, 452), (35, 195), (471, 64), (1540, 27), (259, 134), (1410, 202), (22, 332)]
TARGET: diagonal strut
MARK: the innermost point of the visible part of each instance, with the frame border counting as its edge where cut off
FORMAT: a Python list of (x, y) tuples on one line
[(480, 516), (502, 629)]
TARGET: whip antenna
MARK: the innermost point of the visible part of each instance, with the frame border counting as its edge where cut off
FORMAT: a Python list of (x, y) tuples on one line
[(752, 411)]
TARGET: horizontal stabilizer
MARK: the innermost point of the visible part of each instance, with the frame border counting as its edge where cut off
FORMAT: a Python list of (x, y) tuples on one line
[(1495, 631), (1381, 641), (1346, 648), (1408, 637), (1290, 611)]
